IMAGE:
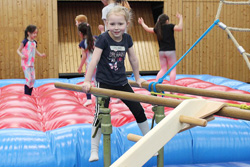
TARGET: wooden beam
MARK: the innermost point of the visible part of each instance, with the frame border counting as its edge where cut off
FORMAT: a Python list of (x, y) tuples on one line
[(225, 111), (195, 91)]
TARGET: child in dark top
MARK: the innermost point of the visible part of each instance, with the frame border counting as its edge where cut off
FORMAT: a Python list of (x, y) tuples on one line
[(165, 35), (109, 55), (27, 51), (87, 47)]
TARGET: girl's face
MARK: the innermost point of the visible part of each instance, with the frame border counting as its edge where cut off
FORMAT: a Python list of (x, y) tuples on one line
[(116, 25), (33, 35)]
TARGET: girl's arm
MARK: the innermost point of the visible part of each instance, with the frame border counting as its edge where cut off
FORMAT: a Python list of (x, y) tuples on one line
[(40, 54), (91, 68), (148, 29), (101, 28), (19, 51), (180, 25), (84, 56), (135, 65)]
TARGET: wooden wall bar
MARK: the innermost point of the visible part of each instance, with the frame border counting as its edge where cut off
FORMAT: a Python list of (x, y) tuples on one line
[(15, 16), (215, 54)]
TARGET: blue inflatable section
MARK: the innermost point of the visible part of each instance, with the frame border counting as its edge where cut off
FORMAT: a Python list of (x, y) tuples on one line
[(224, 142), (208, 78)]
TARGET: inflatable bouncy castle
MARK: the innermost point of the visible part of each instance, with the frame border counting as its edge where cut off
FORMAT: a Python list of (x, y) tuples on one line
[(52, 128)]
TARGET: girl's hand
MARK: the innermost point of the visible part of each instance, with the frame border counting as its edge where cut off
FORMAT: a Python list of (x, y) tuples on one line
[(140, 81), (22, 56), (79, 70), (101, 28), (178, 15), (43, 55), (140, 20), (86, 86)]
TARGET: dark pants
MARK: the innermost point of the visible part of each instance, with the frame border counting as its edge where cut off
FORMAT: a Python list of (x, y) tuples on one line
[(135, 107), (27, 90)]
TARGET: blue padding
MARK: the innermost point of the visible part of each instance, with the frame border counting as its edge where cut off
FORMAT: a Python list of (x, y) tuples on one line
[(149, 77), (209, 78), (4, 82), (222, 141), (245, 87), (233, 84), (225, 164), (76, 80), (203, 77), (26, 148), (40, 82)]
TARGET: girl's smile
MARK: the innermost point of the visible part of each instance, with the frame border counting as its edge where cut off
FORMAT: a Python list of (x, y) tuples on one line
[(117, 26)]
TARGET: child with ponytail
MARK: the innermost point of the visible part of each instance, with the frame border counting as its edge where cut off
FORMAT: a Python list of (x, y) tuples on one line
[(87, 47), (165, 35)]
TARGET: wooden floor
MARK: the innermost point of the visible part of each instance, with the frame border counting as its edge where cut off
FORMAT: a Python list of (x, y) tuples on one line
[(145, 44)]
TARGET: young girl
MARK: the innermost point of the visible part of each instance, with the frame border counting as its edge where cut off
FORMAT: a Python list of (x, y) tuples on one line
[(27, 51), (109, 4), (109, 55), (165, 35), (87, 47)]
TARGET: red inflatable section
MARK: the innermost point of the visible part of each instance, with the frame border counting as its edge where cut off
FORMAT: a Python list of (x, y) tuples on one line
[(50, 108)]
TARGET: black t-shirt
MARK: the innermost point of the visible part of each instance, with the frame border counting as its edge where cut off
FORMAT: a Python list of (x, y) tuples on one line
[(111, 69), (167, 43)]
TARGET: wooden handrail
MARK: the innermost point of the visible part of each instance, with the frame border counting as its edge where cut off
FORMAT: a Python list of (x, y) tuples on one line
[(225, 111), (196, 91)]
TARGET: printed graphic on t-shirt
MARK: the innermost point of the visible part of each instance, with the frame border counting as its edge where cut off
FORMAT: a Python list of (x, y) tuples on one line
[(117, 54)]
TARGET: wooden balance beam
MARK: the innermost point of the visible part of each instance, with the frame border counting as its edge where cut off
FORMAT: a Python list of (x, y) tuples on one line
[(195, 91), (225, 111)]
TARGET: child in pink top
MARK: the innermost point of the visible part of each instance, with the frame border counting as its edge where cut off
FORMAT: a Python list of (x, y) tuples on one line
[(27, 51)]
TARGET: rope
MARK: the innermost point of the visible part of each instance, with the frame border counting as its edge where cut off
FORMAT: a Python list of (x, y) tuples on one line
[(242, 51), (232, 37), (239, 29), (246, 59), (219, 10), (241, 106), (236, 3), (160, 80)]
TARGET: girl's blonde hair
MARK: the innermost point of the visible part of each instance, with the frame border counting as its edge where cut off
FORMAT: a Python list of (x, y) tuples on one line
[(120, 10), (81, 18)]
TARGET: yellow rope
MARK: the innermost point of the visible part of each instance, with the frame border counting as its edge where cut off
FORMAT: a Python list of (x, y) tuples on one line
[(241, 106)]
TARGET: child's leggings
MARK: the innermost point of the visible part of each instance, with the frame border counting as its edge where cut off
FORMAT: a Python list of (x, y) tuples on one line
[(135, 107), (29, 74), (167, 60)]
